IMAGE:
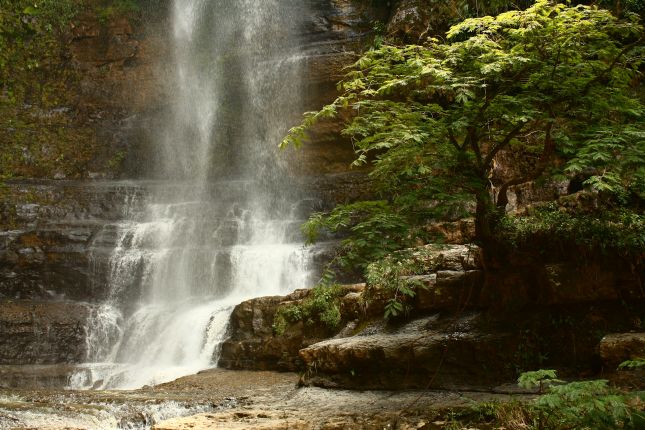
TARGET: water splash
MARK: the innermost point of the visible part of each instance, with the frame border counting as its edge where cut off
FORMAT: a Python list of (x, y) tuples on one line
[(220, 225)]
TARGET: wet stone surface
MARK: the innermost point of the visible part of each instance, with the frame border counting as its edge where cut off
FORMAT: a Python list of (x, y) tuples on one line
[(220, 399)]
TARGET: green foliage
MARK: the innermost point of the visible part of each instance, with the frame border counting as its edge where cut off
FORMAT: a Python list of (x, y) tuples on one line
[(619, 230), (392, 277), (636, 363), (589, 405), (321, 307), (552, 84), (374, 229), (581, 405), (537, 379)]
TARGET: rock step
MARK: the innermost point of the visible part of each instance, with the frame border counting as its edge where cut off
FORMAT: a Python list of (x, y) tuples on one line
[(35, 376), (416, 355), (42, 333), (209, 232)]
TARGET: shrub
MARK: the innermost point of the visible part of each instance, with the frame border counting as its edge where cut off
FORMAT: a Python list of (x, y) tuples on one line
[(320, 307)]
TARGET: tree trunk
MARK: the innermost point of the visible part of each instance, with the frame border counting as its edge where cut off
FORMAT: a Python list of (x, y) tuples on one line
[(486, 220)]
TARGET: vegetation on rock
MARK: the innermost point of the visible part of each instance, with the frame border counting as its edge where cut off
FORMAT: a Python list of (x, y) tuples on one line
[(43, 131), (36, 93), (554, 84), (320, 308), (619, 230)]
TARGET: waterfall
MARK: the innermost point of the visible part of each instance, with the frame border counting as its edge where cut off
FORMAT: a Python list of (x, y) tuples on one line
[(220, 220)]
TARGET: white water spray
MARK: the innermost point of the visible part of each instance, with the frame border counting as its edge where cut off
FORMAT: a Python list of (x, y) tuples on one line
[(219, 227)]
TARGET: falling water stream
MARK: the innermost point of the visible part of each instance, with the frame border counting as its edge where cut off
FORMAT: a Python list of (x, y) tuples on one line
[(220, 221)]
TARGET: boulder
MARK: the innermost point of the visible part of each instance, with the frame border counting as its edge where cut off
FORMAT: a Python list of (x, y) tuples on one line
[(620, 347), (253, 343), (449, 289)]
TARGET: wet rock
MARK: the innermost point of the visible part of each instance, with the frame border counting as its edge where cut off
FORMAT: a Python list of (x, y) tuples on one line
[(454, 280), (617, 348), (414, 20), (35, 376), (449, 257), (335, 36), (421, 354), (454, 232), (253, 343), (54, 240), (42, 333), (247, 419)]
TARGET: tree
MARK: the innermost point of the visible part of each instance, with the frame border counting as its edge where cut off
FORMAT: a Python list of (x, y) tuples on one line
[(555, 84)]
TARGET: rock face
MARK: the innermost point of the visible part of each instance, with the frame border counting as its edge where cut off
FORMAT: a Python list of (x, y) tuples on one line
[(56, 237), (248, 419), (42, 333), (339, 30)]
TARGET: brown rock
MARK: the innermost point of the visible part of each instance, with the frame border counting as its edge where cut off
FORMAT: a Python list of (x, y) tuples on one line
[(42, 333), (617, 348), (246, 419), (449, 289), (420, 354)]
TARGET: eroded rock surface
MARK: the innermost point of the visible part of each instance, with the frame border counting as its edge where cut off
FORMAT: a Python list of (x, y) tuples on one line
[(425, 353), (56, 237), (42, 333), (226, 399)]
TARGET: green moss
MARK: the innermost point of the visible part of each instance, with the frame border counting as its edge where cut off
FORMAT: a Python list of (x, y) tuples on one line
[(37, 132)]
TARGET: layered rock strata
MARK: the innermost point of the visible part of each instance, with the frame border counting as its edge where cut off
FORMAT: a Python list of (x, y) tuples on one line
[(455, 334)]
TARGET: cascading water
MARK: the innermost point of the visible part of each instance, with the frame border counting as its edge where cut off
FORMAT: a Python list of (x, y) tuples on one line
[(221, 225)]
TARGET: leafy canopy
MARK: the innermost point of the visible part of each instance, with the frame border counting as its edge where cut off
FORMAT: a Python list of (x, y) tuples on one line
[(552, 84)]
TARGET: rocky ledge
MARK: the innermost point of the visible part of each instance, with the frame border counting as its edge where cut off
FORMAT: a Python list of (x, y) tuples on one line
[(42, 333), (453, 335)]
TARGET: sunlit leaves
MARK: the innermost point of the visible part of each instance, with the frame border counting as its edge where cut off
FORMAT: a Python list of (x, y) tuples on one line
[(554, 84)]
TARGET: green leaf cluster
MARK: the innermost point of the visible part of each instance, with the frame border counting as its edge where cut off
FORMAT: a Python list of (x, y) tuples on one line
[(537, 379), (618, 230), (636, 363), (320, 308), (554, 84), (582, 405), (589, 405), (392, 277), (372, 230)]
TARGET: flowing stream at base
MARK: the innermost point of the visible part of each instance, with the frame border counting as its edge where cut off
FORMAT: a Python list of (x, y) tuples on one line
[(221, 225)]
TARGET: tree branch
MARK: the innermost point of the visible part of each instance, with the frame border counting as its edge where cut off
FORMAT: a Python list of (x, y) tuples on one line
[(453, 140), (604, 73), (493, 152)]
